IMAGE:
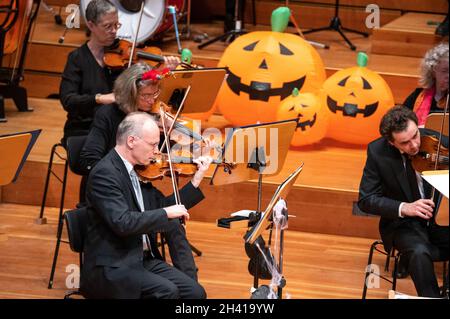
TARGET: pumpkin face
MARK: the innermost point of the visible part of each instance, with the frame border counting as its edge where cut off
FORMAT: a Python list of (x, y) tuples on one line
[(312, 117), (356, 99), (263, 69)]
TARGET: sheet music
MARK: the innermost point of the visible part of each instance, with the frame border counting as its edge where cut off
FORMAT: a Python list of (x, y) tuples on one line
[(438, 181)]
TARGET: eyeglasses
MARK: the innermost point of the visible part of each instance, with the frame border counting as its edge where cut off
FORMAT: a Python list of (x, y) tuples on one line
[(111, 26), (153, 145), (148, 96)]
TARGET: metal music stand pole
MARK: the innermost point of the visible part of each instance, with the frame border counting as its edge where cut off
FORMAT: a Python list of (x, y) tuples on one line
[(336, 25), (232, 34)]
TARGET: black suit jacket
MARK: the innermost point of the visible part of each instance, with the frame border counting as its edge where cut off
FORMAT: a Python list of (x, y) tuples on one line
[(113, 254), (384, 186)]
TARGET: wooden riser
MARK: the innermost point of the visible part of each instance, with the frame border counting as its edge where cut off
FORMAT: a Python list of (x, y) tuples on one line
[(44, 84), (317, 210), (410, 35)]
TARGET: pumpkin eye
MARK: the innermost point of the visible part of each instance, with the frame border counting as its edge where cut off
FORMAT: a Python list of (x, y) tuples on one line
[(344, 81), (292, 109), (366, 85), (285, 51), (251, 46), (304, 105)]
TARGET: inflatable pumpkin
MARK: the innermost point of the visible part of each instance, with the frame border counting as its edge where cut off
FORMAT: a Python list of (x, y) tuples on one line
[(356, 99), (312, 117), (263, 69)]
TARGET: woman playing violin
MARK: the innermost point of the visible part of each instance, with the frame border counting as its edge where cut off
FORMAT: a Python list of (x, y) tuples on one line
[(87, 82)]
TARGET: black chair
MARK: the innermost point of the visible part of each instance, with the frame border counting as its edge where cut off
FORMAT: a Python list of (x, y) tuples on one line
[(76, 223), (379, 247), (74, 146)]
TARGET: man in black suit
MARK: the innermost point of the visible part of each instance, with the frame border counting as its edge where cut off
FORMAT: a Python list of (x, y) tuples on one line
[(392, 189), (121, 256)]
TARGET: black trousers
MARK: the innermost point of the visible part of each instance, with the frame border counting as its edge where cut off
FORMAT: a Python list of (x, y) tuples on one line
[(165, 281), (422, 245), (179, 249)]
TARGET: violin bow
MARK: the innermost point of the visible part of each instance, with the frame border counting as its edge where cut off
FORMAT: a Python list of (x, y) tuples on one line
[(175, 118), (441, 132), (133, 47)]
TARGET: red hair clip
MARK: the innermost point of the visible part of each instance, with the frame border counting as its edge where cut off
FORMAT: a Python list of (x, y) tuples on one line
[(155, 75)]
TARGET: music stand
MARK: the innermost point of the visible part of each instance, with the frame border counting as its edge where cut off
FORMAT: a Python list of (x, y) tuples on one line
[(336, 25), (238, 168), (15, 149), (204, 86), (266, 222)]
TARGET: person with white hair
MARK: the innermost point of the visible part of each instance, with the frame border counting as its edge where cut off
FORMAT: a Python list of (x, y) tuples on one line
[(431, 96), (121, 258)]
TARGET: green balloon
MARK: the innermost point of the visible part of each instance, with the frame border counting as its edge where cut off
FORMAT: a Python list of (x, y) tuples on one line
[(280, 19), (362, 59), (186, 56)]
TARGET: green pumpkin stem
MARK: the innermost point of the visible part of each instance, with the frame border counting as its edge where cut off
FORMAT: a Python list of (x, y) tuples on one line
[(295, 92), (362, 59), (280, 19)]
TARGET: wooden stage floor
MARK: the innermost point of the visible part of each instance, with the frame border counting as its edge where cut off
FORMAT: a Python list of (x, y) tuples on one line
[(315, 265)]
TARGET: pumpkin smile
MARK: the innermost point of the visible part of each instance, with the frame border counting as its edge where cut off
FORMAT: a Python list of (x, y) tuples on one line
[(352, 110), (309, 123), (262, 91)]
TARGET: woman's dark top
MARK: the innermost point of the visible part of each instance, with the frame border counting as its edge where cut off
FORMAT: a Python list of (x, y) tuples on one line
[(82, 79)]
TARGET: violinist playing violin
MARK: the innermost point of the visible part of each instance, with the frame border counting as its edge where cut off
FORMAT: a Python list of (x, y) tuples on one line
[(135, 90), (392, 189), (86, 81), (121, 256)]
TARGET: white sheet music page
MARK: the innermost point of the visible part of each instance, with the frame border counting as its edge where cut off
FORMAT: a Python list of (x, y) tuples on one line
[(437, 179)]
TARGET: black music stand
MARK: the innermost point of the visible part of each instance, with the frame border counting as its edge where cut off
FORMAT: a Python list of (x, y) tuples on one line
[(266, 221), (238, 167), (336, 25), (232, 34), (15, 149)]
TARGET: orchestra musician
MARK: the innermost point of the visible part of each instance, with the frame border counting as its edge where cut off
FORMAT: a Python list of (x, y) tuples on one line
[(86, 82), (121, 257), (431, 96), (133, 93), (392, 189)]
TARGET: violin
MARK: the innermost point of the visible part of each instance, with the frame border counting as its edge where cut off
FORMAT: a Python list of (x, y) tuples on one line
[(118, 55), (160, 167), (428, 159)]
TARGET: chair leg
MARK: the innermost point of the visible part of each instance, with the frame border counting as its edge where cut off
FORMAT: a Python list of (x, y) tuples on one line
[(394, 275), (55, 255), (369, 262), (41, 219), (60, 227)]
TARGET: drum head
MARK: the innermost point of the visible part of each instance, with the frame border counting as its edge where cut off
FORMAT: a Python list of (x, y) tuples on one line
[(154, 11)]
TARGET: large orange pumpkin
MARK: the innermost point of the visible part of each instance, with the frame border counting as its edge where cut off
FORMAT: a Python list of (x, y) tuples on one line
[(263, 69), (312, 117), (356, 99)]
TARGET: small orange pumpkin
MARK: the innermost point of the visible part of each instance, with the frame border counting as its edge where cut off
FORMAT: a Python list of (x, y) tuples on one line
[(312, 117)]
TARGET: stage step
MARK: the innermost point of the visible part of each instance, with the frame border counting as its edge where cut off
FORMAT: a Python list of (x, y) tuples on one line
[(411, 35)]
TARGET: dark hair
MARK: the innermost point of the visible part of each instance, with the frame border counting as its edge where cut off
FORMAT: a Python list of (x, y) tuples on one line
[(97, 8), (396, 120)]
